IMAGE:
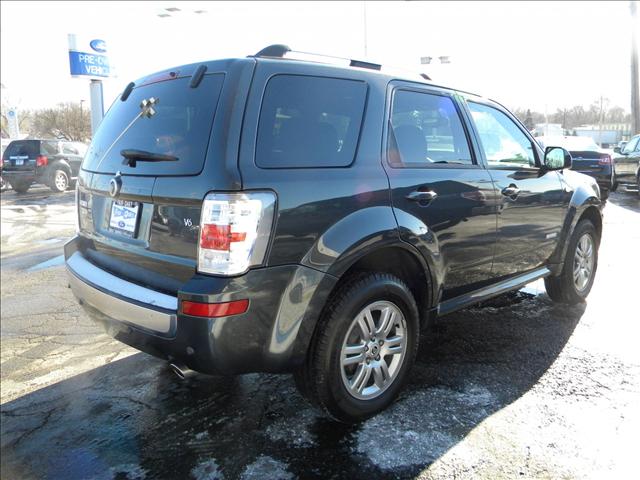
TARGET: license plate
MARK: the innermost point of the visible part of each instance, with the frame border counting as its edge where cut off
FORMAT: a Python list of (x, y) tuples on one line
[(124, 217), (17, 161)]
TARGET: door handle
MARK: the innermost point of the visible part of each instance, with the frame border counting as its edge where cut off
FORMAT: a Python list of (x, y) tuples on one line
[(422, 197), (510, 191)]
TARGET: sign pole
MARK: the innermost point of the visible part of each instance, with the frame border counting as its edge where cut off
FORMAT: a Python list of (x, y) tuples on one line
[(88, 58), (97, 104)]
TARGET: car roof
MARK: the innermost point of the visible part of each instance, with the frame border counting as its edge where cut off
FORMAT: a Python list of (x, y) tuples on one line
[(365, 69)]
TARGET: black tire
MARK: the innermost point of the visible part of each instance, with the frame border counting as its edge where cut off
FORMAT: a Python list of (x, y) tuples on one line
[(320, 378), (563, 289), (59, 181), (20, 187)]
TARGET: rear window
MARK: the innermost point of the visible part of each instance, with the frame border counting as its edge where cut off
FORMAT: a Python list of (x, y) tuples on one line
[(23, 148), (180, 127), (309, 122)]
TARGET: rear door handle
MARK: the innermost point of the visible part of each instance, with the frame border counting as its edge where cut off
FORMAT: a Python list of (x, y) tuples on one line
[(423, 197), (510, 191)]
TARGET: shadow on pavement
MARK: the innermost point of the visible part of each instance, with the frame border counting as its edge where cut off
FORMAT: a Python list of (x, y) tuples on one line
[(134, 419)]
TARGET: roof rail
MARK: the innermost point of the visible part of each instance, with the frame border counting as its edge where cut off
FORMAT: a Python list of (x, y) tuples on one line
[(279, 51)]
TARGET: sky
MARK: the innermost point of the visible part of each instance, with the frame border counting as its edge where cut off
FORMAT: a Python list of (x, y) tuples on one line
[(537, 55)]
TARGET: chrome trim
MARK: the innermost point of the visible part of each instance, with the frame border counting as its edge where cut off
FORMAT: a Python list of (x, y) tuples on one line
[(109, 295)]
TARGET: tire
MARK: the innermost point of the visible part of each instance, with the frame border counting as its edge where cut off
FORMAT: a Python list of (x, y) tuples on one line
[(20, 187), (59, 180), (564, 288), (323, 378)]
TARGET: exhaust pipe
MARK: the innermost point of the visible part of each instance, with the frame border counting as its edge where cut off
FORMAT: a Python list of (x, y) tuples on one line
[(182, 371)]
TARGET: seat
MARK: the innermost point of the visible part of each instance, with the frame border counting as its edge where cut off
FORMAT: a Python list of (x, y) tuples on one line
[(411, 144)]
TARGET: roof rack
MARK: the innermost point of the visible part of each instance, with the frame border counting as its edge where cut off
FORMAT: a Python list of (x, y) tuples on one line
[(279, 51)]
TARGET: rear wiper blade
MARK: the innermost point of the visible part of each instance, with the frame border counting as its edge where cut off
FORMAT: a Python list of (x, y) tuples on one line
[(131, 156)]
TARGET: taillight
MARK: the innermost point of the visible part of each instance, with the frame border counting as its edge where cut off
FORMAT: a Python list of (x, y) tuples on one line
[(234, 231), (605, 159), (41, 160)]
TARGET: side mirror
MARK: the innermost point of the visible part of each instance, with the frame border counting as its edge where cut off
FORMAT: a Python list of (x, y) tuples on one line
[(617, 149), (556, 158)]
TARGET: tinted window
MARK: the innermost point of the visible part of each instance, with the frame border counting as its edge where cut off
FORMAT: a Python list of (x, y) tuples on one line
[(69, 149), (49, 148), (309, 122), (631, 145), (180, 127), (21, 148), (504, 144), (425, 131)]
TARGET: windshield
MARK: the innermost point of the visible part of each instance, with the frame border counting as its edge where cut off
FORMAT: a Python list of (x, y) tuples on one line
[(180, 127)]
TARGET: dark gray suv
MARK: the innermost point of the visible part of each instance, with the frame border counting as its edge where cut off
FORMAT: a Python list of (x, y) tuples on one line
[(267, 214), (54, 163)]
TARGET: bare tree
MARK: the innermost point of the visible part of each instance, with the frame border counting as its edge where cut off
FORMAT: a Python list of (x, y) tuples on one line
[(67, 121)]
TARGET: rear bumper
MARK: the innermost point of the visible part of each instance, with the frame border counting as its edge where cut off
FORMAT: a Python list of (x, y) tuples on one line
[(18, 175), (285, 303), (33, 176), (603, 177)]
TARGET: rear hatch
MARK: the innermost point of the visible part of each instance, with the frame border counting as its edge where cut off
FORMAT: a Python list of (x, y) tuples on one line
[(22, 155), (140, 212)]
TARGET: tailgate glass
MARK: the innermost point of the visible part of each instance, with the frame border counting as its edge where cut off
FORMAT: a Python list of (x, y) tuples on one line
[(23, 149), (180, 127)]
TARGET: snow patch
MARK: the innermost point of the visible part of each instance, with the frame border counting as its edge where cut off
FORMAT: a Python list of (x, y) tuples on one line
[(266, 467), (388, 443), (207, 470), (293, 431)]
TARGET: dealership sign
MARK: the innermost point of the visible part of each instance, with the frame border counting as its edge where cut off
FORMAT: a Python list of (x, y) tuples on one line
[(88, 57)]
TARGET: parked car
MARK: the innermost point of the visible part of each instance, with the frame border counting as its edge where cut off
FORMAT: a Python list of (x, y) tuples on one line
[(627, 163), (266, 214), (50, 162), (587, 158)]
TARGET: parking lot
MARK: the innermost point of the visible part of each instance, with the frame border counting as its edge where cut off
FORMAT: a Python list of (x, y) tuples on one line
[(518, 387)]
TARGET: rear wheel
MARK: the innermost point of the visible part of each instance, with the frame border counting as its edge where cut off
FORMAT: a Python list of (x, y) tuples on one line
[(20, 187), (59, 181), (363, 349), (574, 283)]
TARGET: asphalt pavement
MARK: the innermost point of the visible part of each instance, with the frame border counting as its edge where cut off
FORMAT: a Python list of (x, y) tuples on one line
[(517, 387)]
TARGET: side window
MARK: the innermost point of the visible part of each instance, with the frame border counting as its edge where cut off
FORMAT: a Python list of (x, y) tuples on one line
[(504, 144), (69, 149), (309, 122), (631, 145), (425, 130), (49, 148)]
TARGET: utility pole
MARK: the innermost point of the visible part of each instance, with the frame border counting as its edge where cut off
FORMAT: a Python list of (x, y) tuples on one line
[(600, 124), (635, 85), (364, 15)]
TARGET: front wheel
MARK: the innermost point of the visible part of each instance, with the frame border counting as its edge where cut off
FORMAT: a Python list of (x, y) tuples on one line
[(364, 346), (579, 270)]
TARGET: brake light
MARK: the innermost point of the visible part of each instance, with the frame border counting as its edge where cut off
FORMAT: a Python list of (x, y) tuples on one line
[(234, 231), (605, 159), (214, 310), (41, 160)]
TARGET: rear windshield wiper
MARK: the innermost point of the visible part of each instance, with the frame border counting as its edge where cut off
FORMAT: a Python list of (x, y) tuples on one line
[(131, 156)]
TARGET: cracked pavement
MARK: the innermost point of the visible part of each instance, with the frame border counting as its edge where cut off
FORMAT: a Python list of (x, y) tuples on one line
[(516, 387)]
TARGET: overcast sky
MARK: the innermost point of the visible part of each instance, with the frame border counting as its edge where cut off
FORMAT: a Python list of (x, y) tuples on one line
[(524, 54)]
